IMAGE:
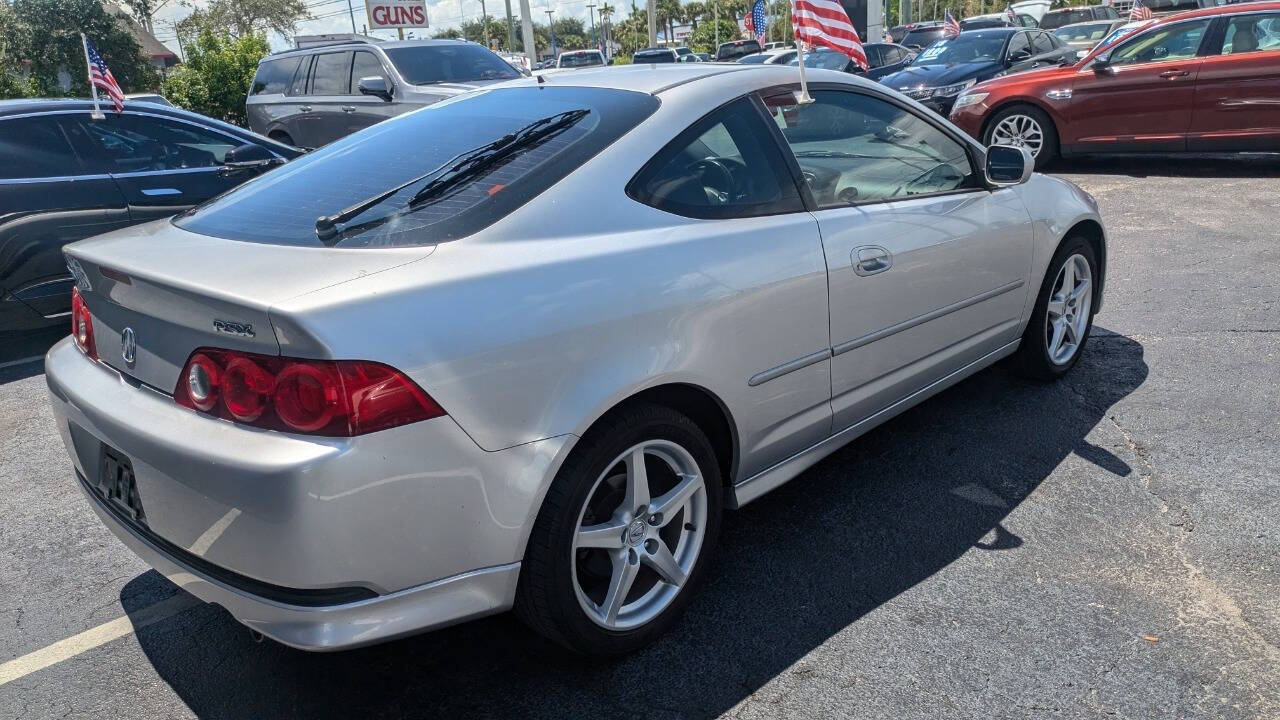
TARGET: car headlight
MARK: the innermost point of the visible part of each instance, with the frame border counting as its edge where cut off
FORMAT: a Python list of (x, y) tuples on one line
[(956, 89), (970, 99)]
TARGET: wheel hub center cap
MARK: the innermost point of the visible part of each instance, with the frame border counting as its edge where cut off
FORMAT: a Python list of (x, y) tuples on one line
[(635, 531)]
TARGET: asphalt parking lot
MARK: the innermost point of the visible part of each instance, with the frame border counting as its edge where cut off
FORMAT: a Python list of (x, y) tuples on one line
[(1105, 546)]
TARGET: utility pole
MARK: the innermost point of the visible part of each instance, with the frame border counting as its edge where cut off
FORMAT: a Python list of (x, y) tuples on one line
[(526, 29), (352, 10), (652, 11), (715, 4), (551, 27), (511, 30), (594, 40), (484, 20)]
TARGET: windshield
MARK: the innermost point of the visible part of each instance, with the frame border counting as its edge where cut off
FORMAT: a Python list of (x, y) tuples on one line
[(281, 207), (965, 48), (463, 62), (825, 60), (580, 60), (1090, 32)]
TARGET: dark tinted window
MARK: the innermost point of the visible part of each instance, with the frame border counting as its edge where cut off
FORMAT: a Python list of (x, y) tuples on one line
[(366, 65), (299, 85), (461, 62), (922, 37), (34, 147), (331, 74), (661, 56), (732, 51), (1019, 47), (724, 166), (141, 143), (1059, 18), (854, 148), (274, 76), (281, 206), (1041, 42)]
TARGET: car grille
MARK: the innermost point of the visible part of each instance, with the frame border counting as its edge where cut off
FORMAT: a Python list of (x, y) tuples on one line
[(918, 93)]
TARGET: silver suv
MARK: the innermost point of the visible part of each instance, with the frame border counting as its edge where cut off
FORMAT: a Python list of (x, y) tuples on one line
[(314, 96)]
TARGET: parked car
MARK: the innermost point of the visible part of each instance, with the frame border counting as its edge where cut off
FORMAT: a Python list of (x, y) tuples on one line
[(950, 66), (1055, 19), (655, 55), (993, 20), (65, 176), (537, 378), (776, 45), (884, 59), (895, 33), (581, 59), (1085, 36), (731, 51), (704, 57), (1205, 80), (314, 96), (921, 35), (780, 56), (682, 53)]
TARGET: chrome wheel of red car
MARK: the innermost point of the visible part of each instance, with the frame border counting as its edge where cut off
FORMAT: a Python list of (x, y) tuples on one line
[(1020, 131)]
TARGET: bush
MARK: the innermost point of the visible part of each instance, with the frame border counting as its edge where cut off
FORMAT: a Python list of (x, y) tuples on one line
[(215, 79)]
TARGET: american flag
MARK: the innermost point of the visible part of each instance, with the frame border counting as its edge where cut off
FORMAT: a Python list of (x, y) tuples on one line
[(825, 23), (1140, 11), (757, 21), (950, 28), (101, 77), (1013, 16)]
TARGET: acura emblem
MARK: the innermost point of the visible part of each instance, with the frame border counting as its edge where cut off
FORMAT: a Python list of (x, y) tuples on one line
[(128, 345)]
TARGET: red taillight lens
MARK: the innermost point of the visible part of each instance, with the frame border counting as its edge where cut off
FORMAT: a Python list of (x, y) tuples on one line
[(82, 325), (319, 397)]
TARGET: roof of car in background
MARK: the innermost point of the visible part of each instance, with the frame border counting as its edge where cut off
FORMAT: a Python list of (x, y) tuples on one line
[(384, 44), (645, 78)]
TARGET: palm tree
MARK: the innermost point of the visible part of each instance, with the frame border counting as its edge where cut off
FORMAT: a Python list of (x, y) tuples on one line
[(669, 12), (695, 11), (606, 11)]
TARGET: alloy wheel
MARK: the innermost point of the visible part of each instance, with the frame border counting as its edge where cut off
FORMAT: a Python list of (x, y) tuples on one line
[(1019, 131), (1067, 312), (639, 534)]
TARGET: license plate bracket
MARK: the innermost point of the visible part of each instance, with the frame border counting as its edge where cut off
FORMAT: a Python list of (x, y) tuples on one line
[(117, 485)]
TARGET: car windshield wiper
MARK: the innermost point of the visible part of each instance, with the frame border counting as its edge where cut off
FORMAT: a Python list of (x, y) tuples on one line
[(455, 170)]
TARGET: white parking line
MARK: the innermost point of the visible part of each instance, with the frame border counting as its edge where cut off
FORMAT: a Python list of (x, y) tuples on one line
[(93, 637)]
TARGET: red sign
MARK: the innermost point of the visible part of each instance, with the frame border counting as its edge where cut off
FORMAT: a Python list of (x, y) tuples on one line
[(397, 13)]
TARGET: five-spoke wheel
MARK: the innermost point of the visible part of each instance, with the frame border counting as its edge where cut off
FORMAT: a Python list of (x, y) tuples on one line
[(1063, 313)]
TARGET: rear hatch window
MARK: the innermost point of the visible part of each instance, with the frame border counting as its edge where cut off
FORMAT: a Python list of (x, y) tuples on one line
[(922, 38), (442, 155), (453, 63)]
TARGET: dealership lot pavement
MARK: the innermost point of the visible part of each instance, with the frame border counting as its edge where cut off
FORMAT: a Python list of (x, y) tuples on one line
[(1108, 545)]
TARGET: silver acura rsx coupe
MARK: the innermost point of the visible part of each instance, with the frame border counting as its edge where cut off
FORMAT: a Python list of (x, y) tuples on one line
[(522, 348)]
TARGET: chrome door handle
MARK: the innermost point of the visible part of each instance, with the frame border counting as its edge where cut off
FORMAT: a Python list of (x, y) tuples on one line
[(348, 108), (1174, 74), (870, 260), (305, 108)]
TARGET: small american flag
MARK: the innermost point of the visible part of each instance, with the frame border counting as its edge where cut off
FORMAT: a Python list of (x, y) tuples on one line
[(950, 28), (1140, 11), (757, 21), (1013, 16), (825, 23), (101, 77)]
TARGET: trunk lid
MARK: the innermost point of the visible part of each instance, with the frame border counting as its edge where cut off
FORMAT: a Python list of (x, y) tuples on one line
[(178, 291)]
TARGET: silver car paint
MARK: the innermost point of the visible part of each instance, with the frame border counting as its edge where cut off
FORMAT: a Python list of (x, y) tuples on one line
[(527, 333)]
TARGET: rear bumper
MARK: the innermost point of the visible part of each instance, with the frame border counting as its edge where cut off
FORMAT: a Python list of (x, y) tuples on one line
[(284, 530)]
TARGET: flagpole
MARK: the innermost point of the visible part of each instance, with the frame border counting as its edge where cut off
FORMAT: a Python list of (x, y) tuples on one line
[(804, 98), (84, 43)]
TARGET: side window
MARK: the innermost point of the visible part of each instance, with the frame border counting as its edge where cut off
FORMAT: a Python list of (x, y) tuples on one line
[(1019, 47), (366, 65), (331, 74), (1252, 33), (274, 76), (1172, 42), (724, 166), (855, 148), (142, 143), (299, 85), (1041, 42), (875, 55), (34, 147)]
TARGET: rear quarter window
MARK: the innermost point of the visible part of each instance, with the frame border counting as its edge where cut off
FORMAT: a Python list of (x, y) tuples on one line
[(281, 206), (274, 76)]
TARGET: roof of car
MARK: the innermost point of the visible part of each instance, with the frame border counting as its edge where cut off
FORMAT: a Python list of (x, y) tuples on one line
[(40, 105), (1233, 9), (645, 78), (385, 45)]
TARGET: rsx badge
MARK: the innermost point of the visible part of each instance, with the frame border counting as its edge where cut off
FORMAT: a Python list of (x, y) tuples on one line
[(233, 328)]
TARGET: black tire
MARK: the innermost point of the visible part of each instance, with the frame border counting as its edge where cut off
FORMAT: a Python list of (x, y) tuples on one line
[(281, 137), (1048, 150), (545, 598), (1032, 358)]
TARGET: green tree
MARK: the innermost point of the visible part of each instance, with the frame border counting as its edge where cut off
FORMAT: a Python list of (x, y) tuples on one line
[(216, 76), (43, 37), (704, 38), (241, 18)]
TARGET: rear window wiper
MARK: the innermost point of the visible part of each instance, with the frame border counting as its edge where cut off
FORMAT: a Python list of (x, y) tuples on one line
[(457, 169)]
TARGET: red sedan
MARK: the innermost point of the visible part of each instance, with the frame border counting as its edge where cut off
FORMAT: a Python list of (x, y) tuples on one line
[(1205, 80)]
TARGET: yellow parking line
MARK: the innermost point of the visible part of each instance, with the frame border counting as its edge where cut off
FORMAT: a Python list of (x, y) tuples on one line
[(93, 637)]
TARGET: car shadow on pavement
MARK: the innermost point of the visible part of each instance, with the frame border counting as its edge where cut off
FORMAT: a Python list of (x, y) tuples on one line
[(1207, 165), (793, 569), (22, 355)]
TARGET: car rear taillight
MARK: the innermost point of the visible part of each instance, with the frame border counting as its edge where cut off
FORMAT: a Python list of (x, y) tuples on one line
[(335, 398), (82, 325)]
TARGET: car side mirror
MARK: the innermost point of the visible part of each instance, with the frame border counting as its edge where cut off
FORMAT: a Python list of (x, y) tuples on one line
[(1102, 64), (249, 156), (376, 86), (1008, 165)]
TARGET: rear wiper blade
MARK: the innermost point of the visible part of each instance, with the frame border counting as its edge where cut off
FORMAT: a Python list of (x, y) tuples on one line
[(458, 167)]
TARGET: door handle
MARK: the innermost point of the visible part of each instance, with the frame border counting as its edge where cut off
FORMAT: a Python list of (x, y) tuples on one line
[(1174, 74), (870, 260), (348, 108), (305, 108), (157, 192)]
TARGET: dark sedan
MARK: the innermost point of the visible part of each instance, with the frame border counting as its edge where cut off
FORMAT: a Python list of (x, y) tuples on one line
[(950, 66), (884, 59), (65, 176)]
